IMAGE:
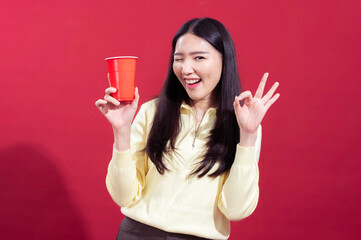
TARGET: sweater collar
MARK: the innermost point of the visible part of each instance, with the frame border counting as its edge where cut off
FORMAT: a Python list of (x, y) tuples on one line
[(186, 106)]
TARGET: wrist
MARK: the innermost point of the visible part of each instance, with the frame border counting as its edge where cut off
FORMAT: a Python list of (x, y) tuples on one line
[(122, 138), (247, 139), (122, 129)]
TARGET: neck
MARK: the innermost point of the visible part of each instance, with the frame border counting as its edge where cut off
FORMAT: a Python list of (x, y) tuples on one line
[(200, 106)]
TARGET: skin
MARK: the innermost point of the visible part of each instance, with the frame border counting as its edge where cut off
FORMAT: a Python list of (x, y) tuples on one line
[(250, 115), (195, 58)]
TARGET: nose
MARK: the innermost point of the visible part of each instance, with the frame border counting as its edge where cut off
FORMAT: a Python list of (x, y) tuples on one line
[(187, 67)]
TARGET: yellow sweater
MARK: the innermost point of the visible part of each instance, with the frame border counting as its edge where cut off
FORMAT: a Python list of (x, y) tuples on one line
[(175, 202)]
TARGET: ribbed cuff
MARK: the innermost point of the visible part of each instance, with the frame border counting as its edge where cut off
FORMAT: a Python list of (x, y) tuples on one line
[(122, 159), (244, 155)]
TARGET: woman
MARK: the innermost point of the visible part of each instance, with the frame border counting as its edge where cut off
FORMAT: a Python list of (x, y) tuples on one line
[(188, 163)]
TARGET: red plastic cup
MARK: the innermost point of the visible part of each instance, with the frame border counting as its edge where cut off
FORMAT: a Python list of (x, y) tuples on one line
[(122, 76)]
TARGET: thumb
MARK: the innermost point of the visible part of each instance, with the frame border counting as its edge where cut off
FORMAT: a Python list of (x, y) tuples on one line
[(236, 105), (136, 98)]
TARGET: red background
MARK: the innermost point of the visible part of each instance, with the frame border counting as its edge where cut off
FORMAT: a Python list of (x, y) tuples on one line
[(55, 145)]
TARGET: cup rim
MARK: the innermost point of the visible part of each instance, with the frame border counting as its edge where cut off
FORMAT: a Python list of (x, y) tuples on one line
[(120, 57)]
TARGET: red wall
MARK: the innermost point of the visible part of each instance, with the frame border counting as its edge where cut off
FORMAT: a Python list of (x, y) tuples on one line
[(55, 145)]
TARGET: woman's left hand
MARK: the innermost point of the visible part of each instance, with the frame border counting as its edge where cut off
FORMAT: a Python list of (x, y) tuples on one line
[(250, 115)]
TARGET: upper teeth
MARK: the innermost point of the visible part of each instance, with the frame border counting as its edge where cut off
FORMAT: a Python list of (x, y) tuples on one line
[(192, 81)]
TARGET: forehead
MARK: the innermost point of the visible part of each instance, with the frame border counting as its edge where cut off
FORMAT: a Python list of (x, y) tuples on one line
[(190, 42)]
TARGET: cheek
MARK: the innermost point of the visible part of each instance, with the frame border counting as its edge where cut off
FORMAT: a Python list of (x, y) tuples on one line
[(217, 71), (213, 72)]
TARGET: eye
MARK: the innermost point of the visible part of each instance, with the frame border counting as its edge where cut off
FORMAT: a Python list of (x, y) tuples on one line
[(177, 59), (199, 58)]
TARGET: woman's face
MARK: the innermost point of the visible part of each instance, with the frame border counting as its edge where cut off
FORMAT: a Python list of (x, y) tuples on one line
[(198, 66)]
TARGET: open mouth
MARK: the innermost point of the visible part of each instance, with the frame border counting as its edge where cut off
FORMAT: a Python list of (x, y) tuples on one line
[(192, 81)]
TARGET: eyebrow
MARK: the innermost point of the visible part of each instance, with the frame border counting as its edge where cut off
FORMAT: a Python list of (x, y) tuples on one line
[(192, 53)]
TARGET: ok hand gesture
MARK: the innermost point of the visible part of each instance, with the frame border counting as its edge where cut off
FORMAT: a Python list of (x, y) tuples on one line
[(253, 110)]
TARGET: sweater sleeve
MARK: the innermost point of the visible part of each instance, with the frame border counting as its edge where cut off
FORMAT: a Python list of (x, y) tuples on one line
[(239, 195), (125, 178)]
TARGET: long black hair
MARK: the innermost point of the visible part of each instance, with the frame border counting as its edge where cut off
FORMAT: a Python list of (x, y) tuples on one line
[(223, 138)]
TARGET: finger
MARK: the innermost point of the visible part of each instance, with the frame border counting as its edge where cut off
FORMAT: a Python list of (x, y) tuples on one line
[(270, 93), (100, 102), (245, 95), (110, 90), (272, 101), (236, 104), (112, 100), (136, 99), (261, 86)]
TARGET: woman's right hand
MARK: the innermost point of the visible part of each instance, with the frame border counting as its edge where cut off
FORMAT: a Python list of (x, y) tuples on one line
[(119, 114)]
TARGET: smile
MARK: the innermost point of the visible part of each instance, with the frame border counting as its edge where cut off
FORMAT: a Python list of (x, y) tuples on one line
[(192, 81)]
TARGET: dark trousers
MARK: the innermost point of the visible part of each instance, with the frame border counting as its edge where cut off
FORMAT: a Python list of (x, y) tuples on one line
[(134, 230)]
